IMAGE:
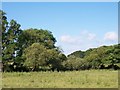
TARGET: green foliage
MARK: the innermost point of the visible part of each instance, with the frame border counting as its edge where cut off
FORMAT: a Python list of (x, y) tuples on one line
[(74, 63), (53, 59), (102, 57), (35, 56), (30, 36), (10, 34), (79, 54)]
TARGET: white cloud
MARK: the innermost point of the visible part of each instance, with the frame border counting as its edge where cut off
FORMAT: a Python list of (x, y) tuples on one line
[(82, 37), (85, 40), (67, 39), (88, 35), (111, 36), (81, 41)]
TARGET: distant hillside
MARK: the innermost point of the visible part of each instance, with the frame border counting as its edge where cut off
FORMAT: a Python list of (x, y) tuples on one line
[(101, 57)]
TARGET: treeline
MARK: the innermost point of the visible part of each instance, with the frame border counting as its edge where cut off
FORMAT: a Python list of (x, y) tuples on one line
[(35, 50), (104, 57)]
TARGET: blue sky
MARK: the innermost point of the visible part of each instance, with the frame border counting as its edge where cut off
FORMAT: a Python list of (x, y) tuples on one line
[(76, 26)]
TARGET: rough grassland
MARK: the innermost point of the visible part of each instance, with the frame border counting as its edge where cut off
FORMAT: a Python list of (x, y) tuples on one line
[(73, 79)]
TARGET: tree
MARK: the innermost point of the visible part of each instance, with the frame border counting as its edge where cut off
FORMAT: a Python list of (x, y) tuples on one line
[(3, 27), (35, 56), (55, 59), (74, 63), (95, 57), (79, 54), (10, 35), (30, 36)]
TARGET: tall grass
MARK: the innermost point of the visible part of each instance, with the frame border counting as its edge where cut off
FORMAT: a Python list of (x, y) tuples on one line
[(68, 79)]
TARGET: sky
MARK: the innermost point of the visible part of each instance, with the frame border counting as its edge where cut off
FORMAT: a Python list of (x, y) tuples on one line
[(75, 25)]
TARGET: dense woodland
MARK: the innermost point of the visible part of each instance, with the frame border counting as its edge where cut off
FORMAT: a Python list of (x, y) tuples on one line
[(35, 50)]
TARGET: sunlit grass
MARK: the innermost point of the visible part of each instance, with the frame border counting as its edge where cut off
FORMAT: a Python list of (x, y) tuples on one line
[(68, 79)]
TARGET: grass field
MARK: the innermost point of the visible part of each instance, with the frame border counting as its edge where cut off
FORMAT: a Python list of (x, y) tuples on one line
[(73, 79)]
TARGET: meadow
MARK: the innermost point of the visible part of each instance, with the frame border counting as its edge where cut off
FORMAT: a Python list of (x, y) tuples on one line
[(68, 79)]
